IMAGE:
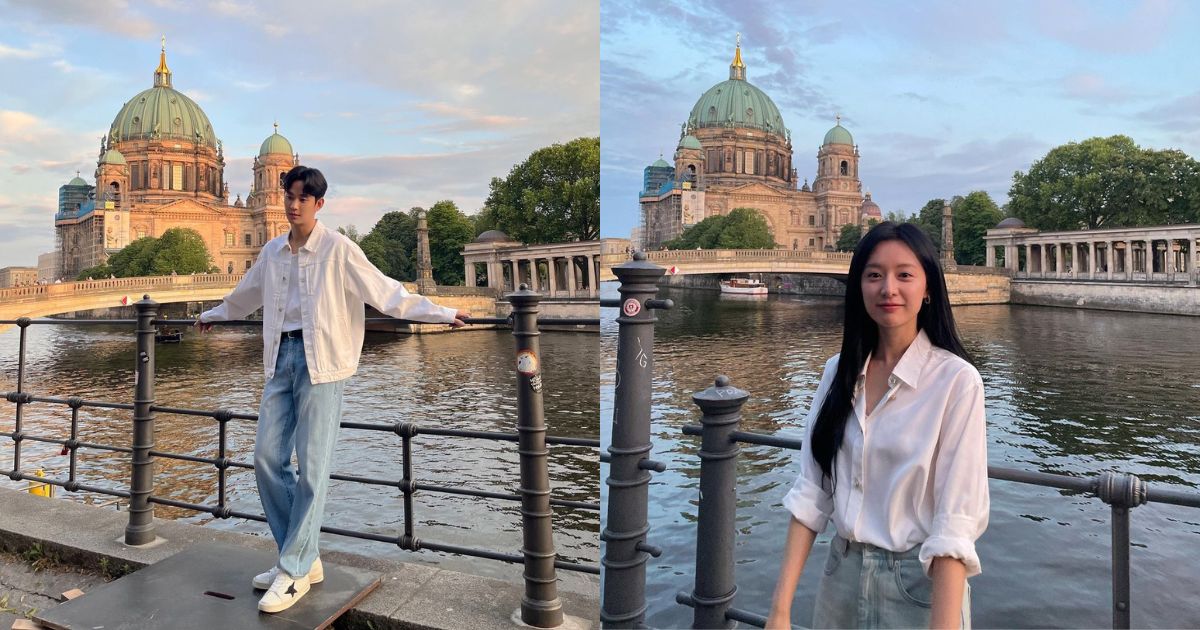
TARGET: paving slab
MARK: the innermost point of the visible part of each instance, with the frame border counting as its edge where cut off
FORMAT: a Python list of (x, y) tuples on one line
[(208, 586)]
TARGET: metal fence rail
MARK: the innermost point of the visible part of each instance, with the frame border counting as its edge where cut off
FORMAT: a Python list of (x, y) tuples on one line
[(540, 605), (623, 604)]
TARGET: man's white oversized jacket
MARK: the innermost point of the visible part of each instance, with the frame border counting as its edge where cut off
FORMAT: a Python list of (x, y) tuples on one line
[(335, 280)]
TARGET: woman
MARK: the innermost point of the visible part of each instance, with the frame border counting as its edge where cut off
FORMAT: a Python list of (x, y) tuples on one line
[(895, 453)]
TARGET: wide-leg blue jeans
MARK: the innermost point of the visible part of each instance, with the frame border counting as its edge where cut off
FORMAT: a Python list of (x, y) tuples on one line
[(296, 415)]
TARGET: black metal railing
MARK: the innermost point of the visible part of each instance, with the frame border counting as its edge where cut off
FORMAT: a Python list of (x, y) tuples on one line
[(540, 605), (623, 605)]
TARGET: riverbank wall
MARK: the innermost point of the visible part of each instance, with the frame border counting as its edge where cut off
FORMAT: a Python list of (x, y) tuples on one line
[(1108, 296), (966, 286), (411, 595)]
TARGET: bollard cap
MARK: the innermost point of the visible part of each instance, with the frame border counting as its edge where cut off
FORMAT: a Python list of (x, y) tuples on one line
[(523, 295), (721, 397)]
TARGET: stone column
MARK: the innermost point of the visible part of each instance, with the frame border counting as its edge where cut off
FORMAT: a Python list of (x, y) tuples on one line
[(571, 276), (991, 255), (425, 282), (591, 277), (534, 279), (1092, 259), (551, 263), (516, 273), (1108, 252), (1169, 259), (1042, 260), (1129, 259), (1190, 260), (948, 263), (470, 274)]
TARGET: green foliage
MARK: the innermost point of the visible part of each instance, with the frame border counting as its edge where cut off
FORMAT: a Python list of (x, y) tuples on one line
[(1107, 182), (742, 228), (848, 238), (449, 230), (95, 273), (553, 196), (392, 243), (974, 215), (351, 232), (178, 250)]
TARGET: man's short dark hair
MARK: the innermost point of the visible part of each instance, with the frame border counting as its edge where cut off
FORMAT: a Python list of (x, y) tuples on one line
[(314, 182)]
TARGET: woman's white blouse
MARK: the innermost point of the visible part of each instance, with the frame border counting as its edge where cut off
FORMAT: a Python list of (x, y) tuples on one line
[(914, 470)]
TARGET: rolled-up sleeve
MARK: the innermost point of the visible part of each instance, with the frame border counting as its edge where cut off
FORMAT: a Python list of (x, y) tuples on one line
[(960, 479), (810, 500)]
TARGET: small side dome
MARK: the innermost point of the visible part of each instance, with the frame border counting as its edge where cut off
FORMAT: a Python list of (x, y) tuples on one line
[(275, 144), (1010, 222), (492, 236), (838, 135), (870, 208), (238, 202), (689, 142), (78, 181), (660, 163), (112, 156)]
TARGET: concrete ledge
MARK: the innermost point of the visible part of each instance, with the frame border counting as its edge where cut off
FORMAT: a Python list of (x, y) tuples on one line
[(412, 596)]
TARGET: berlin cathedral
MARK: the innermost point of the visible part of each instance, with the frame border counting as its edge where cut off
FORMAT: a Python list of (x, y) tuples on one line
[(159, 167), (735, 152)]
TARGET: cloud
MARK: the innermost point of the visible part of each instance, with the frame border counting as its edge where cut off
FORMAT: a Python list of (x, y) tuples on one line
[(470, 116), (199, 96), (1182, 112), (1087, 26), (33, 52), (112, 16), (1093, 88)]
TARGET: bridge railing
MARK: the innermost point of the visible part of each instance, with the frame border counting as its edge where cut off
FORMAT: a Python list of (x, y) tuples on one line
[(82, 287), (540, 605), (626, 531)]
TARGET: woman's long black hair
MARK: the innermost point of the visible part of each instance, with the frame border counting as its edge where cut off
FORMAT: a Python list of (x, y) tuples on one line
[(860, 334)]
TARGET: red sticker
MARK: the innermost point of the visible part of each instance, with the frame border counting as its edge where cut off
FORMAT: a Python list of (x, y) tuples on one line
[(631, 307)]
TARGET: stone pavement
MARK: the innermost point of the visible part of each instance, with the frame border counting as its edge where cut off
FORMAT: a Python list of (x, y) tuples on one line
[(411, 595), (31, 582)]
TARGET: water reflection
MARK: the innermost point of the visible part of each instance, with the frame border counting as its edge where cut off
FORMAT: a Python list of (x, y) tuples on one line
[(461, 381), (1068, 391)]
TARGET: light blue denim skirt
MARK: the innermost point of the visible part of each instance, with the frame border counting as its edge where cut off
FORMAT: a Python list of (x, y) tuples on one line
[(864, 586)]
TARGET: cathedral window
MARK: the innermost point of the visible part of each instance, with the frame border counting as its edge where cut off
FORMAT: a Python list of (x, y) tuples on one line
[(810, 242), (135, 172), (749, 162), (845, 170), (795, 218), (247, 265), (812, 220), (177, 177), (229, 241), (712, 113), (247, 239)]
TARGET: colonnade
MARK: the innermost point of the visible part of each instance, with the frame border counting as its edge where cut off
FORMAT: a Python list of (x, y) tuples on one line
[(555, 276), (1161, 255)]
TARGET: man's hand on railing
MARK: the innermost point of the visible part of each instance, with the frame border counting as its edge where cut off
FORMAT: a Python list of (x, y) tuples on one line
[(459, 316), (203, 327)]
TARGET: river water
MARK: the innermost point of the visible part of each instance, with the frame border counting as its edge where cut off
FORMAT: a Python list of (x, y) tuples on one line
[(462, 380), (1068, 391)]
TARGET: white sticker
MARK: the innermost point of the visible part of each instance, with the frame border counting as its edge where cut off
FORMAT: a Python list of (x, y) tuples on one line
[(527, 363), (631, 307)]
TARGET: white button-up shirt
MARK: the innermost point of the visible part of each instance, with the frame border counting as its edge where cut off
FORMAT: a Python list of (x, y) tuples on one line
[(914, 470), (335, 280)]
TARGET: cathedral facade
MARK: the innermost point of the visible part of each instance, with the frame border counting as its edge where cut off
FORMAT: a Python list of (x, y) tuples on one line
[(159, 167), (734, 151)]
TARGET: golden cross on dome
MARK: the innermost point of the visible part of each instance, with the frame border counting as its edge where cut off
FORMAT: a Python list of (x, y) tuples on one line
[(739, 40), (839, 119), (164, 43), (276, 126)]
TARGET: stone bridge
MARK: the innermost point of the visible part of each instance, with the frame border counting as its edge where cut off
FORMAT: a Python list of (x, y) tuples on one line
[(52, 299), (737, 261)]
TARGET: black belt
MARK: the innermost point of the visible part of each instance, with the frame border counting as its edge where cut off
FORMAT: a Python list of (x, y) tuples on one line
[(291, 334)]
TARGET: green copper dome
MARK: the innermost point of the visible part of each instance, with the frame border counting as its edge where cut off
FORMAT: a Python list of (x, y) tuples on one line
[(660, 163), (689, 142), (838, 135), (112, 156), (78, 181), (162, 112), (276, 143), (737, 103)]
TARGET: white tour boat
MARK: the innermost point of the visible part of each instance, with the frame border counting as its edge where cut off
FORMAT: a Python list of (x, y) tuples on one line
[(743, 286)]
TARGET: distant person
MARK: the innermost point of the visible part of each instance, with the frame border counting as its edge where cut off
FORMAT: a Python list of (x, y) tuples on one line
[(311, 284), (895, 453)]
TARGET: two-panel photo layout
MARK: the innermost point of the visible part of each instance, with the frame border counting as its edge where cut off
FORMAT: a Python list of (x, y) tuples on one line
[(601, 314)]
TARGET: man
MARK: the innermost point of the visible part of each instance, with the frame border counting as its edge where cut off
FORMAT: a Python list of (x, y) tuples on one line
[(311, 284)]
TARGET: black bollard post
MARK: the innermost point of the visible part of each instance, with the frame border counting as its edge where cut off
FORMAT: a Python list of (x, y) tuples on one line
[(540, 606), (721, 406), (623, 602), (1122, 492), (140, 530)]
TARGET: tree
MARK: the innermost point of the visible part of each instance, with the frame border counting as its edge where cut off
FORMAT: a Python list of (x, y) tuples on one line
[(742, 228), (95, 273), (351, 232), (848, 238), (390, 244), (553, 196), (178, 250), (449, 230), (974, 215), (1106, 182)]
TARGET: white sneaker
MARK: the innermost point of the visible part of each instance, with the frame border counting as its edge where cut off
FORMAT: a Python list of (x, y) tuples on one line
[(316, 574), (284, 592)]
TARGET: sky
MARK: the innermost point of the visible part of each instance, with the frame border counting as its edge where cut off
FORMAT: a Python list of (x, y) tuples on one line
[(400, 104), (942, 98)]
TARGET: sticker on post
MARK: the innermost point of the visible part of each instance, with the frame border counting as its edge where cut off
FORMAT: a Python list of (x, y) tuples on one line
[(535, 383), (631, 307), (527, 363)]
